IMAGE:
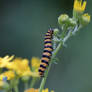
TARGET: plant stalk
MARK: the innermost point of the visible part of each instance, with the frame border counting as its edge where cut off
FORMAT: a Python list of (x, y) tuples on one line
[(16, 88), (26, 85), (33, 82), (55, 53)]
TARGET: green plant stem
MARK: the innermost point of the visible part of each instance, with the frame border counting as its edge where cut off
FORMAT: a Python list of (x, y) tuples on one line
[(15, 84), (0, 70), (47, 71), (55, 53), (16, 88), (10, 89), (26, 85), (33, 82)]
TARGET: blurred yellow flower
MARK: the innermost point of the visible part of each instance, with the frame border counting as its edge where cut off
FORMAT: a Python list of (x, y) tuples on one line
[(1, 76), (5, 60), (45, 90), (9, 74), (35, 63), (20, 66), (79, 5), (37, 90)]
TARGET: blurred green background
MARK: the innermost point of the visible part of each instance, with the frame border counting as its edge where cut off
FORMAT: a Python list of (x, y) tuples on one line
[(23, 24)]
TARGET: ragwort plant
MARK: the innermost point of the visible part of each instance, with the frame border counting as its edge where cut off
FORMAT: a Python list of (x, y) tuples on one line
[(69, 27), (17, 69)]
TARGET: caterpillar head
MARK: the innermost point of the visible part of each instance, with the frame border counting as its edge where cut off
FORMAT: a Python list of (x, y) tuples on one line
[(51, 30)]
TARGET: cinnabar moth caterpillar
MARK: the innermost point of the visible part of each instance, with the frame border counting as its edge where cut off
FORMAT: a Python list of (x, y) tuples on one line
[(47, 52)]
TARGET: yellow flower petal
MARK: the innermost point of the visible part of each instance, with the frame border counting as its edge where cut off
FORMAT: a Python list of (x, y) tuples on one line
[(20, 66), (52, 90), (31, 90), (79, 6), (35, 62), (1, 76), (9, 74), (5, 60), (36, 90)]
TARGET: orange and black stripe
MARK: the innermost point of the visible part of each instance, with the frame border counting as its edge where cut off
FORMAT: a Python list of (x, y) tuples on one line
[(46, 53)]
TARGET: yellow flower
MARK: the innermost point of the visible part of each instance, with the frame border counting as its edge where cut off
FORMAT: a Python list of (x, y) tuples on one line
[(86, 17), (45, 90), (37, 90), (4, 61), (1, 76), (20, 66), (9, 74), (79, 5), (35, 63)]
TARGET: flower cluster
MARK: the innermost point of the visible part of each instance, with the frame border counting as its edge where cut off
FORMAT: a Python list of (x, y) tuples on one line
[(12, 69), (37, 90), (79, 17), (78, 12), (69, 26)]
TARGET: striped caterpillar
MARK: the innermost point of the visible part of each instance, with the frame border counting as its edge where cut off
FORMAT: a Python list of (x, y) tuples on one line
[(47, 52)]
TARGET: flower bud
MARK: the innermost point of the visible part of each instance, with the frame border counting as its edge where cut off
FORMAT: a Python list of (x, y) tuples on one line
[(63, 19), (72, 22), (56, 31), (85, 19)]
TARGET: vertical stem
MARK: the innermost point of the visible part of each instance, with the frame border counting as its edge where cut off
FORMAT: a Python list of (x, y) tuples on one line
[(0, 70), (53, 56), (10, 89), (33, 82), (16, 88), (26, 85), (47, 71), (15, 84)]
